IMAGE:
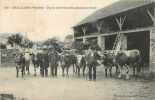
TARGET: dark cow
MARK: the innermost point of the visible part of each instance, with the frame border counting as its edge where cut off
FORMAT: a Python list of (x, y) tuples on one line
[(68, 60), (36, 61), (20, 64)]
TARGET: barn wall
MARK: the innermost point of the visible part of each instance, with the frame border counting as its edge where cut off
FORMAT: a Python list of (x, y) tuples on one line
[(152, 50)]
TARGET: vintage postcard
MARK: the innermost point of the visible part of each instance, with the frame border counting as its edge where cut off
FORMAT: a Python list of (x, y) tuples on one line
[(77, 50)]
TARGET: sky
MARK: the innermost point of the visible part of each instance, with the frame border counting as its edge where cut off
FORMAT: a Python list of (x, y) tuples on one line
[(41, 23)]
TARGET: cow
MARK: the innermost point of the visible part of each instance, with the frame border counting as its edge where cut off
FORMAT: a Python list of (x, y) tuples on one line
[(123, 61), (129, 59), (68, 60), (20, 64), (36, 61), (82, 63), (27, 57)]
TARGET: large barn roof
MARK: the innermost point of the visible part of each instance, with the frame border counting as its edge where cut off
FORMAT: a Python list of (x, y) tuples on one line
[(115, 8)]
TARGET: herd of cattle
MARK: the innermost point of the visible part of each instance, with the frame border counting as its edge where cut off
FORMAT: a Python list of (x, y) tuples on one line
[(123, 61)]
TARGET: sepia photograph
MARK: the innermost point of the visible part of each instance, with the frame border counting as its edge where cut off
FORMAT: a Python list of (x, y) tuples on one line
[(77, 49)]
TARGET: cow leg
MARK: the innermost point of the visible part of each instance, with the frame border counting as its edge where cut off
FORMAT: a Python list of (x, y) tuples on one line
[(63, 71), (90, 72), (35, 73), (17, 71), (67, 70), (52, 70), (94, 73), (120, 69), (56, 70), (78, 69), (27, 67), (84, 67), (46, 72), (127, 72), (23, 71), (40, 70), (73, 69), (110, 71), (134, 70), (117, 70), (106, 72)]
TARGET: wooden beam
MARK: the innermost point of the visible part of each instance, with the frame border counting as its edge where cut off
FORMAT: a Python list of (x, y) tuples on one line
[(120, 22), (99, 26), (151, 16), (84, 30), (114, 33)]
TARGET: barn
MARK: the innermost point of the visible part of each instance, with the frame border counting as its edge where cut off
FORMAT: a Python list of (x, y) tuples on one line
[(133, 19)]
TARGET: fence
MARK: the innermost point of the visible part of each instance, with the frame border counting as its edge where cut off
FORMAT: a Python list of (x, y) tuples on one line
[(7, 57)]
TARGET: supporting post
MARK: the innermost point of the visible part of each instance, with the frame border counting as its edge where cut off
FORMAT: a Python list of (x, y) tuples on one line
[(119, 38), (152, 50), (151, 16), (84, 39), (101, 41), (120, 22), (0, 57), (152, 43), (99, 26), (84, 30)]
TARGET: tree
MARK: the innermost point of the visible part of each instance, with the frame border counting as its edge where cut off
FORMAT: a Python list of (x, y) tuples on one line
[(15, 39), (26, 43), (53, 43), (2, 46), (19, 40)]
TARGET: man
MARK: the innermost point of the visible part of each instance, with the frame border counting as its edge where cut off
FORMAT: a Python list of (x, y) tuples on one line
[(44, 63), (53, 56), (92, 63)]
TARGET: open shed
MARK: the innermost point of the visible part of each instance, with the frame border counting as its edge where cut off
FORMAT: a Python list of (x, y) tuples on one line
[(134, 19)]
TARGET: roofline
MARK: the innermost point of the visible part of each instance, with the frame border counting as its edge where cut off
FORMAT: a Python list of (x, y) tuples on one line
[(125, 10)]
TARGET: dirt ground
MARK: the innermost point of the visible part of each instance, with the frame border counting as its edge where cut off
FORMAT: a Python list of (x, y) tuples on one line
[(74, 88)]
